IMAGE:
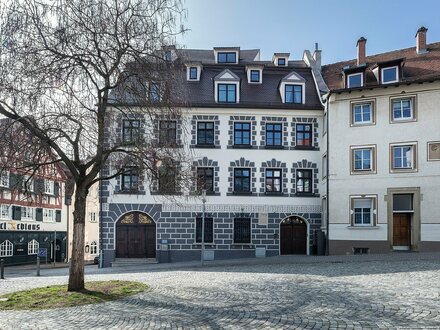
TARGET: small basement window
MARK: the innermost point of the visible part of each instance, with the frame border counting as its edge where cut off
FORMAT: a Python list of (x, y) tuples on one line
[(361, 250)]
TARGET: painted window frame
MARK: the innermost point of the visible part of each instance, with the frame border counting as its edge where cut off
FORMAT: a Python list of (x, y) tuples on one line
[(251, 77), (49, 187), (272, 132), (226, 91), (203, 179), (382, 74), (154, 90), (293, 92), (205, 130), (132, 174), (6, 248), (48, 215), (27, 213), (241, 177), (227, 56), (131, 133), (94, 248), (191, 71), (168, 132), (270, 181), (363, 103), (372, 170), (92, 217), (5, 212), (373, 214), (303, 132), (33, 247), (281, 61), (414, 159), (297, 178), (238, 133), (413, 109), (4, 179), (352, 75)]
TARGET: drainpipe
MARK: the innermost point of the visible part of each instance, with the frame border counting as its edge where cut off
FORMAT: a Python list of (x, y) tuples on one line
[(327, 221)]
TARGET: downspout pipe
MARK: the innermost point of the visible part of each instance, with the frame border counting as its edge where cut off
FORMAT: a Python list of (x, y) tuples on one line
[(327, 221)]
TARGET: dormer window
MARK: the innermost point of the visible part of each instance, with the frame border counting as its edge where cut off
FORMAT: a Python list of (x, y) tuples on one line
[(193, 73), (280, 59), (227, 57), (355, 80), (281, 62), (167, 56), (154, 92), (389, 75), (293, 94), (227, 93), (255, 75), (227, 87)]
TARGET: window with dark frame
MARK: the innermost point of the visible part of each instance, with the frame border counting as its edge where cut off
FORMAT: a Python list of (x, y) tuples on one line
[(242, 134), (304, 135), (154, 92), (273, 180), (167, 132), (293, 94), (255, 75), (227, 57), (282, 61), (242, 230), (131, 130), (193, 73), (205, 179), (205, 133), (130, 179), (167, 176), (274, 134), (242, 180), (304, 181), (209, 230), (227, 93)]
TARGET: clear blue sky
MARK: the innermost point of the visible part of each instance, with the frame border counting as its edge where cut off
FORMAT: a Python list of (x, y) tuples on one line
[(293, 25)]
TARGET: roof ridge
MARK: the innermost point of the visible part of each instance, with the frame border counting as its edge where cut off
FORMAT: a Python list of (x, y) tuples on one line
[(384, 53)]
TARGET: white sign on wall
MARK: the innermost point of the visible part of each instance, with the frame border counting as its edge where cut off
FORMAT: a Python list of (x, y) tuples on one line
[(263, 218)]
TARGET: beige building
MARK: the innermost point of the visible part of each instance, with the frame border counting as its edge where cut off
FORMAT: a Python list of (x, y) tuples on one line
[(383, 157)]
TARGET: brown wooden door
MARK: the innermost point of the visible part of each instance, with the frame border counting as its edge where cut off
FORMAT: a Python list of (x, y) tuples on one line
[(122, 242), (136, 242), (151, 241), (293, 238), (401, 229)]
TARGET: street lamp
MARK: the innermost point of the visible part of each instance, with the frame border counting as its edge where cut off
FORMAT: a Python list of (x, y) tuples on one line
[(203, 227)]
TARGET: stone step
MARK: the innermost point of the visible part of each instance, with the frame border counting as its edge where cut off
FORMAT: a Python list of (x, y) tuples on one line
[(124, 262)]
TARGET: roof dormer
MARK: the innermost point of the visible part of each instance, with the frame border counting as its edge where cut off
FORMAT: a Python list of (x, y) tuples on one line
[(281, 59), (254, 74), (169, 53), (227, 55), (388, 72), (227, 87), (193, 71), (292, 89)]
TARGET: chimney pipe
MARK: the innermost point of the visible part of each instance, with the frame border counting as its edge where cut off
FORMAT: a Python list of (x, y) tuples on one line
[(421, 40), (317, 56), (361, 53)]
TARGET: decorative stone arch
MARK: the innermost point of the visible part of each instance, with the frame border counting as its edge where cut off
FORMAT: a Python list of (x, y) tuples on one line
[(135, 235), (307, 224)]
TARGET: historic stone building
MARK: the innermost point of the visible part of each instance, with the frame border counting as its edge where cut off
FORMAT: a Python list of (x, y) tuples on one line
[(383, 150), (254, 131)]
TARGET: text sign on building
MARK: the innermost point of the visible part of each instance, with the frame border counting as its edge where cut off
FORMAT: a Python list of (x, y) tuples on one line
[(263, 218), (10, 225)]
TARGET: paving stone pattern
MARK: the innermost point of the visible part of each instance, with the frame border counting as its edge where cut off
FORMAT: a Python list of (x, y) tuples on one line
[(349, 295)]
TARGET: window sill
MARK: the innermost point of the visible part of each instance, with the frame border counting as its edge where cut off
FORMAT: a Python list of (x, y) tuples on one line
[(274, 147), (129, 192), (165, 193), (206, 146), (363, 227), (208, 193), (279, 194), (399, 121), (305, 195), (403, 170), (244, 146), (305, 148), (244, 193), (362, 124), (361, 172)]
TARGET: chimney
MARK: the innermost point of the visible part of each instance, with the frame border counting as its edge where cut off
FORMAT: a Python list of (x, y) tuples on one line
[(317, 56), (421, 40), (361, 58)]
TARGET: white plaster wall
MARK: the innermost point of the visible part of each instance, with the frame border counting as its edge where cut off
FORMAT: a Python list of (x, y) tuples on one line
[(342, 136)]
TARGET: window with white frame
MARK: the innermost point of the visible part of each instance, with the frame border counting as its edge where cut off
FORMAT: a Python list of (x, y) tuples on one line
[(362, 113), (4, 178), (27, 213), (48, 215), (28, 183), (362, 159), (49, 187), (6, 249), (403, 157), (362, 211), (94, 248), (92, 216), (389, 75), (402, 109), (355, 80), (33, 247), (5, 212)]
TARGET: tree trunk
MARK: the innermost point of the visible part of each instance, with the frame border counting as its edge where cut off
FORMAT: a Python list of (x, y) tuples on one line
[(76, 271)]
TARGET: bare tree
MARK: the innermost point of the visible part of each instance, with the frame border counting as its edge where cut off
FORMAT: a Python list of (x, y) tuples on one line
[(70, 70)]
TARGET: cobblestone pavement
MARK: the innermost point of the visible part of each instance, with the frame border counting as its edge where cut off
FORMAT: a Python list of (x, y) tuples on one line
[(368, 294)]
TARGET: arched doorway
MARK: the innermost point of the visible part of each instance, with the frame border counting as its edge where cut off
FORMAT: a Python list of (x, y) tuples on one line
[(293, 236), (135, 236)]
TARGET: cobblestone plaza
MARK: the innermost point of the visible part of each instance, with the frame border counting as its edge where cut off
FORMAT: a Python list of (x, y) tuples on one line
[(283, 293)]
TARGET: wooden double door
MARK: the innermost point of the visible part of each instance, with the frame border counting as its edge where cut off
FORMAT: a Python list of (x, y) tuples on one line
[(293, 236), (401, 229), (136, 237)]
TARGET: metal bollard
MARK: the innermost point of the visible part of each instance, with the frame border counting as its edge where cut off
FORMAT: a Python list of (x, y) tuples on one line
[(38, 266), (2, 269)]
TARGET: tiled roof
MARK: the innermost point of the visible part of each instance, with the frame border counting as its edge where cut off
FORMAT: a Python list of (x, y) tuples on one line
[(416, 67)]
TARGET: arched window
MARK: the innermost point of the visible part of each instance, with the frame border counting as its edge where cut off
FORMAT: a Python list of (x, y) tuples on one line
[(6, 249), (94, 248), (33, 247)]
